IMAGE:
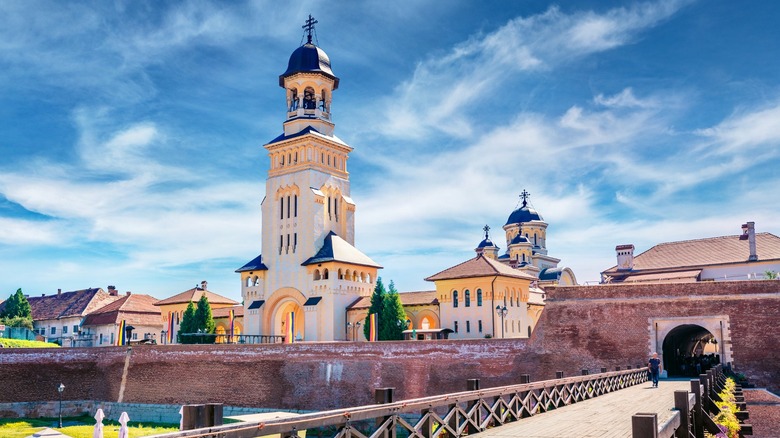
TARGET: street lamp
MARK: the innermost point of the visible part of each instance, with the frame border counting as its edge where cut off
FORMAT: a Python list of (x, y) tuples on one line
[(60, 389), (502, 311), (357, 330)]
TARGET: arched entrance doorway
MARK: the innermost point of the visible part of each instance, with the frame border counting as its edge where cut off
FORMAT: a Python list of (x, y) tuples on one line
[(689, 350), (289, 313)]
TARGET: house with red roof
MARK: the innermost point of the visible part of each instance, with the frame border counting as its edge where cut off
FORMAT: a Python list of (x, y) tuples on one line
[(143, 321)]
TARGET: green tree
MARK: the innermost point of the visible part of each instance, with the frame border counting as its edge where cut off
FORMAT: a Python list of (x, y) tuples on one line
[(204, 321), (377, 305), (17, 321), (393, 321), (770, 275), (187, 324), (17, 305)]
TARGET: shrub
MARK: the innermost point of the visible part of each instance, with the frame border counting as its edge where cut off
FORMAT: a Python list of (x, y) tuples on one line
[(727, 417)]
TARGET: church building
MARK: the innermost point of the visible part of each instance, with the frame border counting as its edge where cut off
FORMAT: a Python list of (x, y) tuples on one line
[(309, 270)]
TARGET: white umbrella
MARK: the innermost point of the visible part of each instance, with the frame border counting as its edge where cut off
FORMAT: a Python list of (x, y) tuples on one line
[(98, 432), (123, 419)]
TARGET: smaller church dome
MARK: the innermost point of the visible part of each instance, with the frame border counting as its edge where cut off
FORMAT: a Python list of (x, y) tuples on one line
[(309, 59), (519, 239), (486, 243)]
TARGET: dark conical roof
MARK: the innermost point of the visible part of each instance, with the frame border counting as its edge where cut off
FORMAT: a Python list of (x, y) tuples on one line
[(486, 243), (309, 59)]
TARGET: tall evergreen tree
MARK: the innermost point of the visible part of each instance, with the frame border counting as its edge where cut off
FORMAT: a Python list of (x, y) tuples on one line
[(377, 304), (204, 320), (187, 324), (17, 306), (393, 321)]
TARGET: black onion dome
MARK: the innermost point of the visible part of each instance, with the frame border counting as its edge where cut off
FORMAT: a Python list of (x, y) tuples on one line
[(309, 59), (524, 214)]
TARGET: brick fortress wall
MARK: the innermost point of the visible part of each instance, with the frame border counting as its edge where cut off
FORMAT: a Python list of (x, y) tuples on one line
[(581, 328)]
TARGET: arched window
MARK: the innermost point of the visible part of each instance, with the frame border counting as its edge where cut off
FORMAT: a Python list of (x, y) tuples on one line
[(455, 298), (281, 208), (341, 274), (317, 274), (248, 281), (257, 281), (296, 206), (467, 298), (425, 324), (479, 297), (529, 331), (288, 206), (325, 274)]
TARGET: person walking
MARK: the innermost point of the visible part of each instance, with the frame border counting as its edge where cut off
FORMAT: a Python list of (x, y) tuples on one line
[(654, 367)]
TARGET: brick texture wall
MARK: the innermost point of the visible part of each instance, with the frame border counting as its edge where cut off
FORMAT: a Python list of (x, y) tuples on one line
[(581, 328)]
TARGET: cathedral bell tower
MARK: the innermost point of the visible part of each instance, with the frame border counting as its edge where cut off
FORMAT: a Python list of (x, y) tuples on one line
[(309, 269)]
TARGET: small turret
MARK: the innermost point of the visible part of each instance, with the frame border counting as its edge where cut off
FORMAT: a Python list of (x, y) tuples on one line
[(487, 248)]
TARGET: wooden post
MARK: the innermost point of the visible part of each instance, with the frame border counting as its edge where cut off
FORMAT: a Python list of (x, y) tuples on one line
[(603, 369), (681, 404), (585, 372), (215, 412), (644, 425), (617, 368), (473, 385), (698, 422), (192, 417), (559, 374), (525, 378), (705, 397), (384, 396)]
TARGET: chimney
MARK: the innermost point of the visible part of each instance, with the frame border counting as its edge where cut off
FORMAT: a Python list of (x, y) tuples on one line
[(749, 234), (203, 284), (59, 291), (625, 257), (128, 293), (112, 291)]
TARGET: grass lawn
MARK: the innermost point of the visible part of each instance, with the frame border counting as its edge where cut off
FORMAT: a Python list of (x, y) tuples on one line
[(78, 427)]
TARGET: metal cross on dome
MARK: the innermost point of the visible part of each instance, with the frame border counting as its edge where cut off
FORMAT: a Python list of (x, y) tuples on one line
[(486, 229), (525, 195), (309, 27)]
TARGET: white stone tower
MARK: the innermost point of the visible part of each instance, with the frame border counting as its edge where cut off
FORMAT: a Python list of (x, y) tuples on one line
[(309, 266)]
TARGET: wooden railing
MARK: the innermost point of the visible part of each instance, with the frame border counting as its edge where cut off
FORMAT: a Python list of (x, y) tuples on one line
[(694, 411), (451, 415)]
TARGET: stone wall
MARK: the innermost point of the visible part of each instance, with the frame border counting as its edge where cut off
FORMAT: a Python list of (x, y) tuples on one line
[(582, 327)]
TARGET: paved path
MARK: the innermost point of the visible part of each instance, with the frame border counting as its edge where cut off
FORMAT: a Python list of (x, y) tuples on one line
[(606, 416)]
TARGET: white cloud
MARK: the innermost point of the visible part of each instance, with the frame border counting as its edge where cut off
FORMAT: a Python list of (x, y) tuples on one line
[(444, 87)]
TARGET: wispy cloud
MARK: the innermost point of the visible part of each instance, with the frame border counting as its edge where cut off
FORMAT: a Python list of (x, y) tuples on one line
[(444, 87)]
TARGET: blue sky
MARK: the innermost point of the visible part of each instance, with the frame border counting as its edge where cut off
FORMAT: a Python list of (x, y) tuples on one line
[(131, 133)]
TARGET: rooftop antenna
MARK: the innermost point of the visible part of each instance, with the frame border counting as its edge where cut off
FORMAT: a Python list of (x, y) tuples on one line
[(308, 29)]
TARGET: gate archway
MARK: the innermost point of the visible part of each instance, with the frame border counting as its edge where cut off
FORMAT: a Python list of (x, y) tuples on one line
[(689, 350)]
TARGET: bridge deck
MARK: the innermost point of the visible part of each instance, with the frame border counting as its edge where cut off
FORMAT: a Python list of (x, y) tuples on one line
[(606, 416)]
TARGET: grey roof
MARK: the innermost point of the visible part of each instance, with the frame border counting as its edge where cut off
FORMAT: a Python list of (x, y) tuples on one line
[(256, 264), (550, 274), (336, 249), (256, 304), (309, 59), (304, 131), (312, 301)]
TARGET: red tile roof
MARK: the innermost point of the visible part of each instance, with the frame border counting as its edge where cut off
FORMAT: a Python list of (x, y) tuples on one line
[(135, 309), (194, 295), (416, 298), (69, 304), (704, 252), (222, 312), (480, 266)]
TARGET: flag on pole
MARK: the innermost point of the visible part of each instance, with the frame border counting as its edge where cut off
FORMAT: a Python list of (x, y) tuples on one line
[(231, 321), (289, 332), (120, 339), (373, 328), (171, 328)]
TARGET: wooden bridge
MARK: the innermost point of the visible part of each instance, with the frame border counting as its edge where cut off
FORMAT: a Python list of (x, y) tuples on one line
[(608, 404)]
